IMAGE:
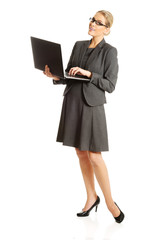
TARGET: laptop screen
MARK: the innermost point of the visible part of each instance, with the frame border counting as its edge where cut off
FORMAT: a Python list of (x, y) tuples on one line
[(47, 53)]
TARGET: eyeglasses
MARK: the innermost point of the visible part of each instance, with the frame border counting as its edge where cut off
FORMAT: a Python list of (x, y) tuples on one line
[(98, 23)]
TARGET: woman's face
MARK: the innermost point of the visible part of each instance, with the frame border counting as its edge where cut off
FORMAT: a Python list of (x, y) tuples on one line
[(98, 30)]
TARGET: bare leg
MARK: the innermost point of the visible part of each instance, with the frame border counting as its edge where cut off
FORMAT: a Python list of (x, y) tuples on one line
[(101, 173), (88, 177)]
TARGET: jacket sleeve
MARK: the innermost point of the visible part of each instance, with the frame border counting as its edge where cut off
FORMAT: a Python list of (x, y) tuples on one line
[(61, 81), (107, 81), (69, 65)]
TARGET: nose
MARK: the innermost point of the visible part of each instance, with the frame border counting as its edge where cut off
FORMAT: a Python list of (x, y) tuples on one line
[(92, 24)]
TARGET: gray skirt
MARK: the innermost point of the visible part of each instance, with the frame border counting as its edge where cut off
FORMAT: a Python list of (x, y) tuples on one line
[(81, 125)]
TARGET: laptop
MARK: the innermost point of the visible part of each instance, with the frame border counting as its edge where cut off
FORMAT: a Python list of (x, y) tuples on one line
[(49, 53)]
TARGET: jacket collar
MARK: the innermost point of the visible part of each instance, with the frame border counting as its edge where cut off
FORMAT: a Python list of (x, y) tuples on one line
[(99, 45), (94, 53)]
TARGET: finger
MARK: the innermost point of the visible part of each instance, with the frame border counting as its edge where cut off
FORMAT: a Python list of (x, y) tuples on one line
[(75, 70), (46, 66), (78, 71), (48, 71), (71, 71)]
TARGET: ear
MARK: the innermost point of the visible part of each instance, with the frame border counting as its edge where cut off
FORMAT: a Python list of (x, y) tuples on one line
[(106, 31)]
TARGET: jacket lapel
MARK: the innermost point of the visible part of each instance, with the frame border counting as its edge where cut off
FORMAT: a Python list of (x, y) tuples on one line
[(95, 52), (83, 51)]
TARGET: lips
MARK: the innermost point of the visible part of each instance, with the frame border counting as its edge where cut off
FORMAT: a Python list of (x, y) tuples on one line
[(91, 29)]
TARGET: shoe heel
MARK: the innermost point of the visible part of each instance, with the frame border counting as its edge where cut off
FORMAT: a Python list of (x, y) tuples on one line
[(96, 208), (86, 213)]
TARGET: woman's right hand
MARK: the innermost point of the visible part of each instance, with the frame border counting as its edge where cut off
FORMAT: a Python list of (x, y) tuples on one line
[(49, 74)]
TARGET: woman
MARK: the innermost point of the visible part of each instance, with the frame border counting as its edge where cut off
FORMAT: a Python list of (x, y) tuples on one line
[(83, 123)]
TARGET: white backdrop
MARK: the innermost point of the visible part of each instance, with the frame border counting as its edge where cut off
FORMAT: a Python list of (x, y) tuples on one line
[(41, 186)]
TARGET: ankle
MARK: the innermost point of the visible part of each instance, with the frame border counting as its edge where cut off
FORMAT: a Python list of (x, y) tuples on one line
[(113, 209), (92, 196)]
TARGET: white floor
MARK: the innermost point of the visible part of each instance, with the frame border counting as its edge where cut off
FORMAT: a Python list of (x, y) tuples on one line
[(40, 199), (45, 221)]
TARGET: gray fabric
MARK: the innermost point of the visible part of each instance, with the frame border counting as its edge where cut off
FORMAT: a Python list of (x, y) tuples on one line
[(83, 122), (103, 65), (82, 126)]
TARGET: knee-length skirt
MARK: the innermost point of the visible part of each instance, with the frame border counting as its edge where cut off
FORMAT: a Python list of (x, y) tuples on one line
[(82, 126)]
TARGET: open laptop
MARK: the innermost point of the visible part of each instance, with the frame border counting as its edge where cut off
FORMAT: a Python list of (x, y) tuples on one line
[(49, 53)]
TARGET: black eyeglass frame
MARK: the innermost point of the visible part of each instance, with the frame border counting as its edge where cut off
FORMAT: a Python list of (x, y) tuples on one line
[(92, 19)]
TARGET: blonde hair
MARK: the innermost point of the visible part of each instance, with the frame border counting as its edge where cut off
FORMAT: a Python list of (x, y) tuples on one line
[(109, 18)]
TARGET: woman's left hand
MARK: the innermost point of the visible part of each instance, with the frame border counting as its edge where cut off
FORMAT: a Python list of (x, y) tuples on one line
[(79, 71)]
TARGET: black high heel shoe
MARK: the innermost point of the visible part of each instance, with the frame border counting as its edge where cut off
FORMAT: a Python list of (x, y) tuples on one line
[(120, 218), (86, 213)]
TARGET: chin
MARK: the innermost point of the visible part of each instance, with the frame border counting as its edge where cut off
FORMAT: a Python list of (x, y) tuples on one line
[(90, 33)]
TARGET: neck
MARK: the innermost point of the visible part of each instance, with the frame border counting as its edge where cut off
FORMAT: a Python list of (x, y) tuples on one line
[(96, 40)]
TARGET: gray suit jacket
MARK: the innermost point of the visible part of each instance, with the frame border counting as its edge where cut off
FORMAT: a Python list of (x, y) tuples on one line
[(102, 63)]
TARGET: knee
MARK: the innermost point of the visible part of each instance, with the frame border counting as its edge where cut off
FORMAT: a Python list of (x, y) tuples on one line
[(95, 158), (81, 154)]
